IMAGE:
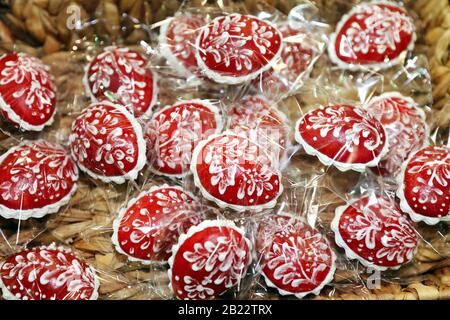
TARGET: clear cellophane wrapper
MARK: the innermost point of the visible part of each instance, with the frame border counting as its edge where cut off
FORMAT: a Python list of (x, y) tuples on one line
[(312, 191)]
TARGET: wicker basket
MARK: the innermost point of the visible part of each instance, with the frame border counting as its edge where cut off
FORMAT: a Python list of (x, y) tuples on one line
[(39, 27)]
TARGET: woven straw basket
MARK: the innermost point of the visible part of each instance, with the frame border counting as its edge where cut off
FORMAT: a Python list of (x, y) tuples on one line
[(39, 28)]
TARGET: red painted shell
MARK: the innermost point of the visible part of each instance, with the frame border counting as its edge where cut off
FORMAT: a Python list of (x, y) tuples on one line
[(374, 231), (148, 227), (235, 172), (372, 35), (47, 273), (344, 136), (27, 92), (124, 74), (255, 117), (423, 185), (298, 54), (173, 132), (177, 40), (295, 259), (405, 127), (209, 260), (107, 143), (36, 178), (236, 48)]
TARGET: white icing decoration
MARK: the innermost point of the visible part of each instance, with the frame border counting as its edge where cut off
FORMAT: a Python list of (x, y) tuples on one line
[(68, 275), (231, 259), (106, 151), (16, 72), (426, 190), (388, 37), (331, 121), (163, 201), (368, 225), (107, 64), (189, 130), (26, 178), (223, 174), (290, 274), (222, 41)]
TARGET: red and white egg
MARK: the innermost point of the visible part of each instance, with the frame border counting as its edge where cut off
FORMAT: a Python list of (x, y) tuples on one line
[(177, 41), (374, 231), (27, 92), (236, 48), (262, 122), (122, 75), (107, 143), (235, 172), (372, 35), (174, 131), (36, 178), (47, 273), (294, 259), (405, 126), (298, 54), (423, 185), (147, 228), (344, 136), (209, 260)]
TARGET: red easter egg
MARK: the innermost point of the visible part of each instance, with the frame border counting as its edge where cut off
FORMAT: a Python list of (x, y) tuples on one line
[(295, 258), (374, 231), (150, 224), (36, 178), (423, 185), (297, 56), (47, 273), (27, 92), (235, 172), (344, 136), (255, 117), (177, 40), (236, 48), (107, 143), (405, 127), (209, 260), (372, 35), (174, 131), (124, 74)]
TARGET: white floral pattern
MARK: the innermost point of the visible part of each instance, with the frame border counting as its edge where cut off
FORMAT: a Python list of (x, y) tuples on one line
[(48, 273), (405, 126), (113, 60), (101, 128), (197, 290), (254, 117), (39, 94), (225, 42), (378, 27), (381, 229), (432, 167), (153, 224), (225, 166), (297, 257), (34, 163), (357, 130), (181, 34), (224, 260), (173, 134), (127, 70)]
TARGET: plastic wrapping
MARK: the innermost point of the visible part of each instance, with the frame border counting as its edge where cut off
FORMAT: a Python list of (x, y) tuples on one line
[(263, 171)]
